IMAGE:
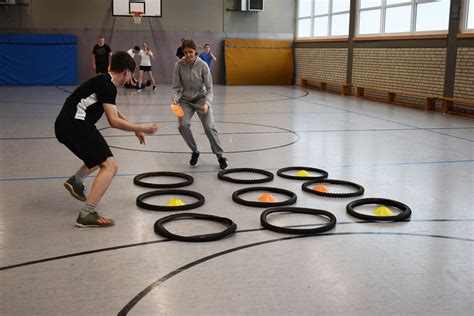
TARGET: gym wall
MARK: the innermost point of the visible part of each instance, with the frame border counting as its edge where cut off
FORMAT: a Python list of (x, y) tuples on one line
[(205, 21), (410, 65), (437, 64), (464, 80), (419, 70), (318, 63)]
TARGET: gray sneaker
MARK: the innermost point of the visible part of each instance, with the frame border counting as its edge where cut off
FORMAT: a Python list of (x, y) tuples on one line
[(92, 219), (77, 190)]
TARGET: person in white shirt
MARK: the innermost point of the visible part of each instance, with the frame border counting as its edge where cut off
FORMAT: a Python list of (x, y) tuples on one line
[(146, 56), (133, 82), (133, 51)]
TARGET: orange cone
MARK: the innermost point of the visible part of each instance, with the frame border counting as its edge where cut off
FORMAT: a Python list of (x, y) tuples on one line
[(177, 109), (267, 197), (320, 188)]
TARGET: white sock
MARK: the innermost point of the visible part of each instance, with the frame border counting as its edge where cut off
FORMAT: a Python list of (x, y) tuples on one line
[(88, 208), (79, 177)]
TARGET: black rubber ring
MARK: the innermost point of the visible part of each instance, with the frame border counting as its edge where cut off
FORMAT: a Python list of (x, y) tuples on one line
[(323, 173), (405, 210), (188, 180), (196, 195), (223, 175), (301, 231), (359, 189), (160, 230), (237, 199)]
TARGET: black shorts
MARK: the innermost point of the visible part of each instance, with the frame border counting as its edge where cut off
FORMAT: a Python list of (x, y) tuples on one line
[(145, 68), (101, 69), (83, 139)]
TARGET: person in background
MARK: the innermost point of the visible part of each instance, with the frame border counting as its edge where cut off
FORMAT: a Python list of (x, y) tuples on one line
[(133, 51), (207, 55), (133, 82), (192, 90), (146, 56), (179, 51), (101, 54)]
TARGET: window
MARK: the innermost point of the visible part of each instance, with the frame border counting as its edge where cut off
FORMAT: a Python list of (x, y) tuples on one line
[(391, 17), (323, 18), (468, 9)]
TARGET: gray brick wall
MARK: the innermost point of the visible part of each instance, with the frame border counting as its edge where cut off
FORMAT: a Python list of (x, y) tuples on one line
[(321, 63), (420, 70), (464, 80)]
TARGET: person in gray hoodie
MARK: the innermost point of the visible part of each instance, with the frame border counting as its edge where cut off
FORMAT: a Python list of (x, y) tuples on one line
[(192, 90)]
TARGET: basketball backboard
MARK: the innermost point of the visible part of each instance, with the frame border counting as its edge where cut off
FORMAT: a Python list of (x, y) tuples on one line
[(124, 7)]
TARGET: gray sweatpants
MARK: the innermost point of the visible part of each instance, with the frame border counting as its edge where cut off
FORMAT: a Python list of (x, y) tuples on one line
[(207, 122)]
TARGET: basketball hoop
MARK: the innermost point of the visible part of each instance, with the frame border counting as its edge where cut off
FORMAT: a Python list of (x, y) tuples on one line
[(137, 16)]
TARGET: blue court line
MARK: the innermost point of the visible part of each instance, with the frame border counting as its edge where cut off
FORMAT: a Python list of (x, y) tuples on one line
[(272, 169)]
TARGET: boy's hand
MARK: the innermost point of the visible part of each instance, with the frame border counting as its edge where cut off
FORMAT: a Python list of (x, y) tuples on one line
[(149, 128), (141, 137)]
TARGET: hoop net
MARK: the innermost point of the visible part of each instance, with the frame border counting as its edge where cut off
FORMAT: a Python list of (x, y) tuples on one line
[(137, 16)]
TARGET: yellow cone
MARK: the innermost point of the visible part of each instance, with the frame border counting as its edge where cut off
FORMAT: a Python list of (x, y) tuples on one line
[(302, 173), (175, 202), (383, 211)]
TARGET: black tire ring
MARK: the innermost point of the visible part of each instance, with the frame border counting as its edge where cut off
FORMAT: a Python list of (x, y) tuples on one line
[(300, 231), (138, 180), (222, 175), (200, 200), (160, 230), (237, 199), (359, 189), (405, 210), (323, 173)]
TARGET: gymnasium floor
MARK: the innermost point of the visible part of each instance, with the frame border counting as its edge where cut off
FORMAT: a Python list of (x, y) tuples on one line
[(423, 266)]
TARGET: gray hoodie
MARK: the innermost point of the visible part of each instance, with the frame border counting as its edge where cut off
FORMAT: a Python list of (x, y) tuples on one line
[(192, 81)]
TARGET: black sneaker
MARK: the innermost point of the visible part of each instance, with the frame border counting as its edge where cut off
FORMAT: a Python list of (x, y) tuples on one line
[(92, 219), (222, 162), (194, 159), (154, 88), (77, 190)]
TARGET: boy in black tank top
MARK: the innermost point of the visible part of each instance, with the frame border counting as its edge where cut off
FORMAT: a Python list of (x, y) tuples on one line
[(75, 128)]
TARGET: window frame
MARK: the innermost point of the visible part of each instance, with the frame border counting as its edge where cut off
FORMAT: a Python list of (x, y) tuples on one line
[(313, 16), (383, 13)]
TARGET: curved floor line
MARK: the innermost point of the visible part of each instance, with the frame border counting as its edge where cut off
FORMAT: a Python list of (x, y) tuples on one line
[(64, 90), (208, 152), (244, 133), (166, 240), (161, 104), (155, 135), (148, 289)]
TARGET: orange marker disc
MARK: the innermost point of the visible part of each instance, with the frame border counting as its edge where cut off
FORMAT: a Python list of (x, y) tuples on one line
[(177, 109)]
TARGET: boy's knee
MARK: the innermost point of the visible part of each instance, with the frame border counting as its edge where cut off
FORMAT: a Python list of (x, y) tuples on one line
[(110, 165)]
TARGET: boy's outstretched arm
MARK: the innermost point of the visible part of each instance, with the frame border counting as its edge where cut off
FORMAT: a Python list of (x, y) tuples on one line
[(118, 120)]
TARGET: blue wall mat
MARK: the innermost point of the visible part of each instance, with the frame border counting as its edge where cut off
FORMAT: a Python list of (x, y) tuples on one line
[(38, 59)]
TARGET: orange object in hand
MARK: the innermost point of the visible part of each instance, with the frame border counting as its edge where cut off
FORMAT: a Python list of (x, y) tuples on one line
[(177, 109)]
